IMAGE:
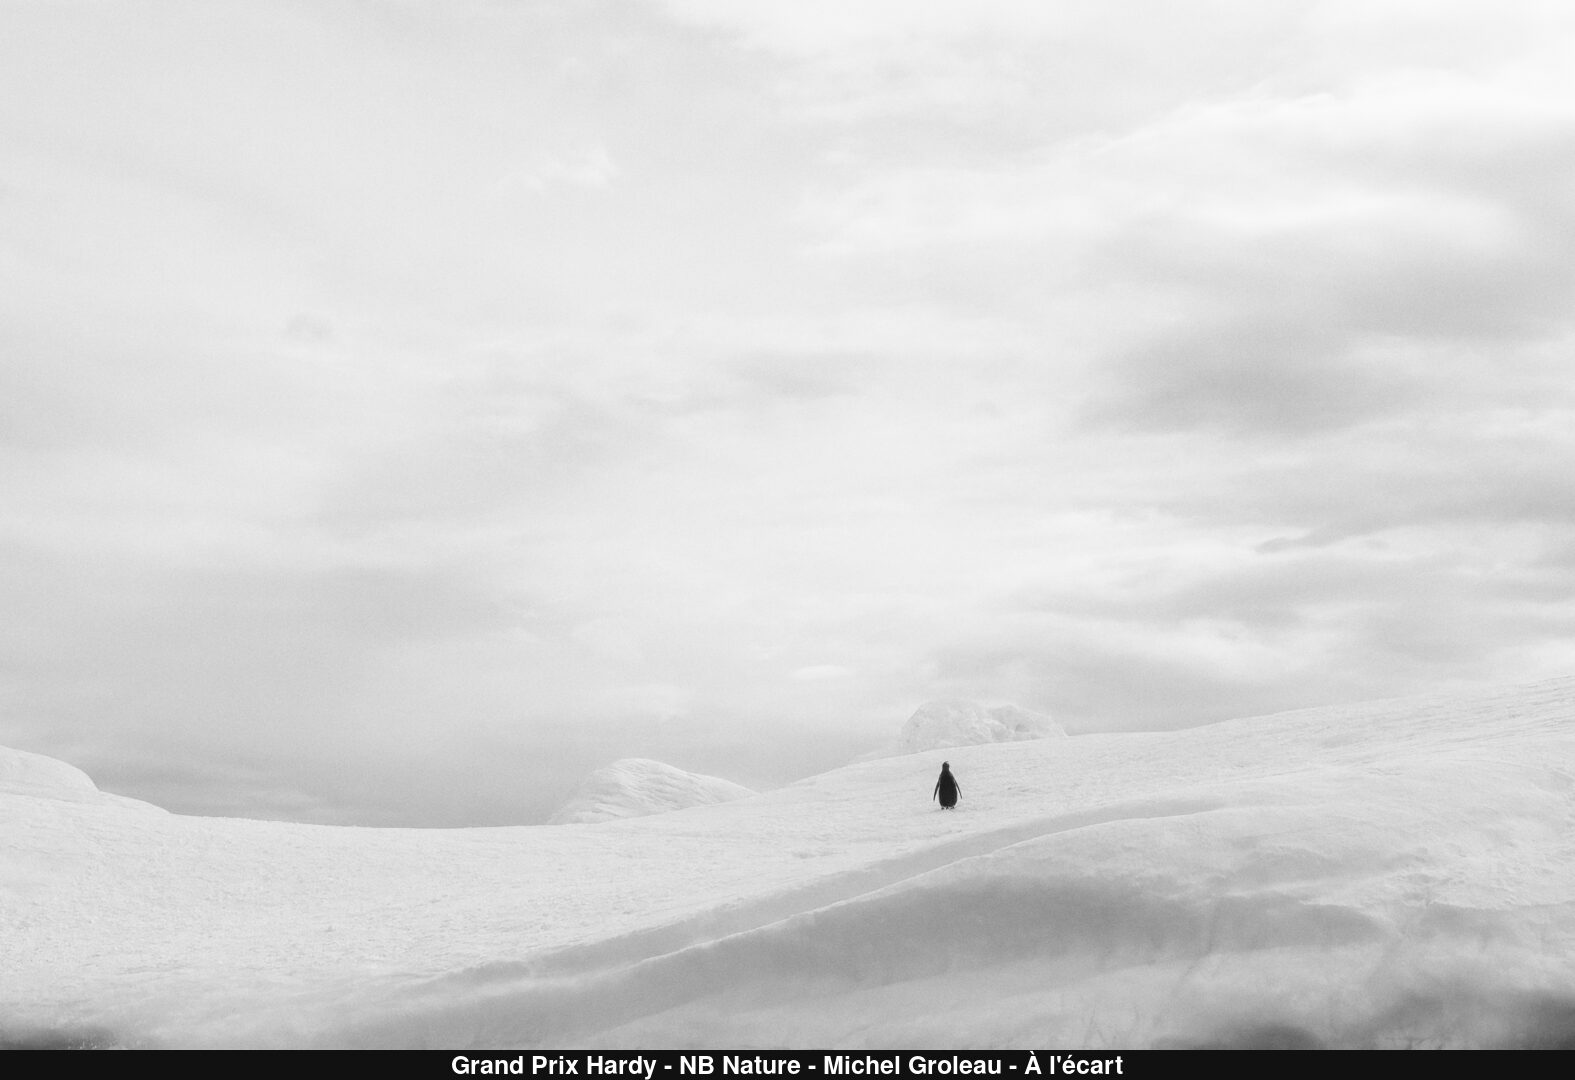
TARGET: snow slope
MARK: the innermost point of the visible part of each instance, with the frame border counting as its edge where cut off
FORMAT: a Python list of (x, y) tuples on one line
[(35, 775), (952, 722), (635, 787), (1391, 874)]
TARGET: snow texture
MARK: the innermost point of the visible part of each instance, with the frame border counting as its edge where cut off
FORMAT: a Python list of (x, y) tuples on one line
[(950, 722), (1396, 874), (635, 787)]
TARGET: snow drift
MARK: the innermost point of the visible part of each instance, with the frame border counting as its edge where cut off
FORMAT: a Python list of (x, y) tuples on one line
[(635, 787), (23, 773), (1386, 875), (951, 722)]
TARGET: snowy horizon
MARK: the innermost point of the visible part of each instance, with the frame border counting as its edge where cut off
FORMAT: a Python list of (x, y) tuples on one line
[(1397, 874), (409, 408)]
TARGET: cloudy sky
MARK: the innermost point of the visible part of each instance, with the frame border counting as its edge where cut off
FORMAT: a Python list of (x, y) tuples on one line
[(408, 406)]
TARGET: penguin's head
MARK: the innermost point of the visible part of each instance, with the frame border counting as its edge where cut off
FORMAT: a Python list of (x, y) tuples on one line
[(946, 764)]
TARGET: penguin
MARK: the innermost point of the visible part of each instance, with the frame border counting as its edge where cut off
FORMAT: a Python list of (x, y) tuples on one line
[(947, 788)]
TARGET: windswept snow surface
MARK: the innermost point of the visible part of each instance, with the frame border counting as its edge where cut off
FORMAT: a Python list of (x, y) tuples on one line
[(936, 725), (1388, 875), (635, 787)]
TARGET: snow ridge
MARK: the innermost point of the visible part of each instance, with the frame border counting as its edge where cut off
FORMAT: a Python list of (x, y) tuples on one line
[(24, 773), (636, 787), (954, 722), (41, 777)]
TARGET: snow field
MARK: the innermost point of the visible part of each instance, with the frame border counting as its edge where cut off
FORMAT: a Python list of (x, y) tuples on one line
[(1391, 874)]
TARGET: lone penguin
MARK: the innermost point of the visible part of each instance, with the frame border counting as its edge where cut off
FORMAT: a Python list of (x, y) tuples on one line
[(947, 788)]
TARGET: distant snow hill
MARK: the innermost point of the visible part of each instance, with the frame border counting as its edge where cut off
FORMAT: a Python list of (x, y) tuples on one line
[(953, 722), (24, 773), (635, 787), (1394, 874)]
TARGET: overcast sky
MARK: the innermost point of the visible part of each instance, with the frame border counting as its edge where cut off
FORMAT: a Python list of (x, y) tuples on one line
[(406, 407)]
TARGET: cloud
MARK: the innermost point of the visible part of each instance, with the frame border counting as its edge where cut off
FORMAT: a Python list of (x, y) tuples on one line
[(1265, 378), (1343, 282), (1282, 256), (821, 672), (1262, 635), (432, 395), (1493, 470), (593, 168), (1003, 66)]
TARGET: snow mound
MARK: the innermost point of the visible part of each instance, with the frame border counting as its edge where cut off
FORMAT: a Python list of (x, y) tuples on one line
[(23, 773), (41, 777), (635, 787), (952, 722)]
